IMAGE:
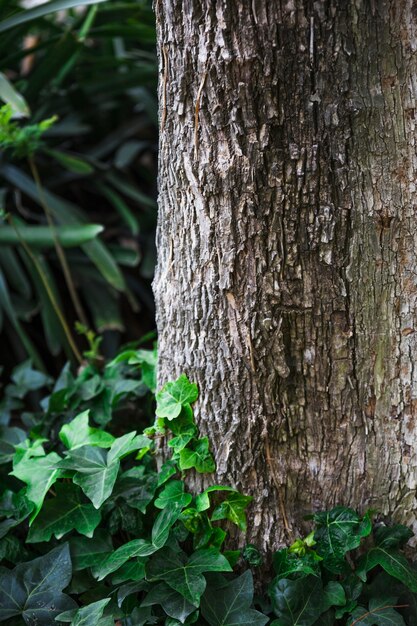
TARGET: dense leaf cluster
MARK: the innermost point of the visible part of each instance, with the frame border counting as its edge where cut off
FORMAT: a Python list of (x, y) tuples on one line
[(78, 136), (93, 534)]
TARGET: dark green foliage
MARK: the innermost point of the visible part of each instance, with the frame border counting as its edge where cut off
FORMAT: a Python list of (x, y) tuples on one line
[(77, 150), (125, 542), (345, 573)]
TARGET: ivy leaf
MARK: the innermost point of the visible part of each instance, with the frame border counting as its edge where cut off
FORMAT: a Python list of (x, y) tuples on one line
[(163, 524), (39, 473), (228, 604), (233, 509), (334, 594), (198, 457), (136, 488), (63, 513), (185, 575), (298, 602), (78, 433), (338, 531), (86, 616), (114, 560), (202, 501), (16, 508), (378, 614), (172, 602), (10, 437), (179, 442), (392, 562), (148, 360), (33, 589), (174, 395), (173, 493), (127, 444), (168, 469), (27, 379), (90, 552), (131, 571), (287, 563), (392, 536), (92, 472)]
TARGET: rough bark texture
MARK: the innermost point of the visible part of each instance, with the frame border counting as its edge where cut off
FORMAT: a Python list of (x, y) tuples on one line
[(287, 274)]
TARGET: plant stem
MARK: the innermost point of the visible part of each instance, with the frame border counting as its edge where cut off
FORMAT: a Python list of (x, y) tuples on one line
[(58, 248)]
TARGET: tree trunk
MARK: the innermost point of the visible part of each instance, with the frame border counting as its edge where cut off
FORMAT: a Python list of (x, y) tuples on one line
[(287, 242)]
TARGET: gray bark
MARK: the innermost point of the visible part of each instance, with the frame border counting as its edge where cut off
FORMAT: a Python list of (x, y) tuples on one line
[(287, 245)]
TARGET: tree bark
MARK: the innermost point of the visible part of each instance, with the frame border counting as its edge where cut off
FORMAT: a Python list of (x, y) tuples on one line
[(287, 245)]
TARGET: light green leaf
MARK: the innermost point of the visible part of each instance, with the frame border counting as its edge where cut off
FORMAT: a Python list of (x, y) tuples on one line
[(92, 472), (122, 446), (9, 95), (202, 501), (174, 395), (39, 473), (198, 457), (173, 493), (63, 513), (233, 509), (78, 433)]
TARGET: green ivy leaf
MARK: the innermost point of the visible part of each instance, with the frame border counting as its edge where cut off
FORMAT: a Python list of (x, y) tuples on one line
[(90, 552), (202, 501), (136, 488), (172, 602), (179, 442), (163, 524), (173, 493), (334, 594), (228, 604), (10, 437), (198, 457), (185, 574), (86, 616), (298, 602), (131, 571), (93, 473), (78, 433), (63, 513), (287, 563), (16, 508), (392, 536), (39, 473), (173, 396), (33, 589), (233, 509), (114, 560), (392, 562), (338, 531), (378, 614), (127, 444), (148, 360)]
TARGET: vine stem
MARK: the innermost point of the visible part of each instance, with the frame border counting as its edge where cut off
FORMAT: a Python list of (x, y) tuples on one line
[(381, 608), (58, 248)]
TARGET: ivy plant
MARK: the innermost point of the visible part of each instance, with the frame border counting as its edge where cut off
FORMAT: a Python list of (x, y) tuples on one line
[(97, 530)]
